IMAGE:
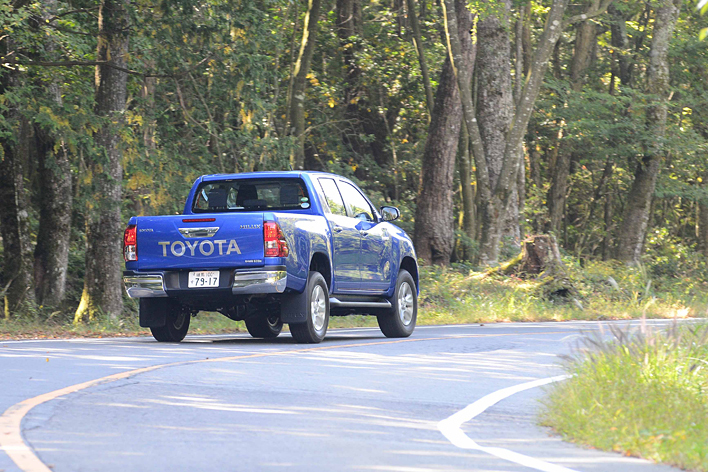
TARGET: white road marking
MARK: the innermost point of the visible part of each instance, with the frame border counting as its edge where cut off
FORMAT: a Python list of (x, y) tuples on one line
[(451, 427)]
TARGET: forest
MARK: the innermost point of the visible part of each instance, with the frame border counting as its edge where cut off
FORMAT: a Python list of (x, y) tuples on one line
[(484, 121)]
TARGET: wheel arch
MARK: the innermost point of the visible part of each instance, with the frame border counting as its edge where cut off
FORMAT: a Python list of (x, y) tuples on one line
[(409, 264), (320, 263)]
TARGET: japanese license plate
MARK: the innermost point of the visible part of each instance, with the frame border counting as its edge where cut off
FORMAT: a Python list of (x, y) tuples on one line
[(205, 278)]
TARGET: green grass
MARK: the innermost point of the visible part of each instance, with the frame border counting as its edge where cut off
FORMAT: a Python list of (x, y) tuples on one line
[(452, 296), (643, 394), (606, 290)]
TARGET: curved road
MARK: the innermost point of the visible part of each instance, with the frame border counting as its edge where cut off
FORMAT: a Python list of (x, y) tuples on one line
[(358, 401)]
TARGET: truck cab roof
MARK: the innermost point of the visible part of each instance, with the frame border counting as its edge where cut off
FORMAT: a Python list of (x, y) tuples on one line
[(266, 174)]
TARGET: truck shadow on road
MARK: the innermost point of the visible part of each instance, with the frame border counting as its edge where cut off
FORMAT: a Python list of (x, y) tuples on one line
[(285, 340)]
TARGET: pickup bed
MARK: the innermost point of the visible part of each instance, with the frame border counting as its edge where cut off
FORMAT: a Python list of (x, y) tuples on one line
[(272, 248)]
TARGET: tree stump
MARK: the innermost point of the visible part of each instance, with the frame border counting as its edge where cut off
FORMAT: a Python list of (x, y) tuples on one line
[(540, 256), (540, 259)]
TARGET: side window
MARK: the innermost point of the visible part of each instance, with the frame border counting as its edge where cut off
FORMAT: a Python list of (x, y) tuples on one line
[(334, 199), (357, 203)]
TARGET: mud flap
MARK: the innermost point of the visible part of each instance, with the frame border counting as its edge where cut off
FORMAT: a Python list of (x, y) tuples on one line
[(153, 312), (293, 307)]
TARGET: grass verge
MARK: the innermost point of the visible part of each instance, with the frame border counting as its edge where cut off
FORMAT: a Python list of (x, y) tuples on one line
[(607, 291), (641, 394), (452, 296)]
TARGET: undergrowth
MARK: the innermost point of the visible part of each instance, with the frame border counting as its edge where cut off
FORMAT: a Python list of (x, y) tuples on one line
[(606, 290), (642, 394), (454, 295)]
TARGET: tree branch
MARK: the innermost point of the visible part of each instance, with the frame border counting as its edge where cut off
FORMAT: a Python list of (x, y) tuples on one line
[(71, 12), (29, 63), (592, 13)]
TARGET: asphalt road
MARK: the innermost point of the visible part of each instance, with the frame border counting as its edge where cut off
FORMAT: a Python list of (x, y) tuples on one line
[(358, 401)]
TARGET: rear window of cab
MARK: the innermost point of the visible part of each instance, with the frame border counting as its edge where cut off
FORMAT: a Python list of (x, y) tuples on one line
[(250, 195)]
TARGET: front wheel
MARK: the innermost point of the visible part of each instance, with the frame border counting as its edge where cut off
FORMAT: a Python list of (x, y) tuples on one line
[(313, 330), (400, 321), (176, 324), (264, 326)]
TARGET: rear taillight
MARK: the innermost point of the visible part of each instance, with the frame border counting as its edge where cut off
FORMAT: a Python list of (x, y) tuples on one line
[(274, 241), (130, 243)]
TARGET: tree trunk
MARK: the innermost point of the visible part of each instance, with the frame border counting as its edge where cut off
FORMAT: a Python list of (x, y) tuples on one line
[(14, 222), (434, 228), (518, 56), (636, 216), (560, 170), (609, 227), (418, 42), (621, 66), (495, 106), (703, 227), (51, 254), (17, 279), (103, 292), (469, 225), (300, 71), (526, 39), (359, 110), (585, 39)]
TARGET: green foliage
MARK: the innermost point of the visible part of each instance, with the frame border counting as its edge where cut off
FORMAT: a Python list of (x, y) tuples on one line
[(208, 93), (640, 393)]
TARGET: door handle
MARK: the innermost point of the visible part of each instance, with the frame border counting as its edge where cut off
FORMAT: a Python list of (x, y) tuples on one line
[(363, 233), (337, 229)]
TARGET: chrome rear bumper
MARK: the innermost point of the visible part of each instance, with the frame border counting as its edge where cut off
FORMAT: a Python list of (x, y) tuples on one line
[(244, 283), (139, 286), (262, 281)]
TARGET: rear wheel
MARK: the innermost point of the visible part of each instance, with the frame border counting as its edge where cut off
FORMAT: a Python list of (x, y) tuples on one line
[(313, 330), (400, 321), (176, 325), (264, 326)]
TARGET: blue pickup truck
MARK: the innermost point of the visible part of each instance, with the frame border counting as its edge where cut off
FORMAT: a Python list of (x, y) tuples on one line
[(272, 248)]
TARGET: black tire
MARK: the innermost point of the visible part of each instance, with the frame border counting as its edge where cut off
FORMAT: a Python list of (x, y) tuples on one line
[(176, 325), (313, 330), (400, 321), (264, 326)]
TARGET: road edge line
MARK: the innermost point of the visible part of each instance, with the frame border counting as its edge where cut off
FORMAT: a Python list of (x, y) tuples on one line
[(451, 427)]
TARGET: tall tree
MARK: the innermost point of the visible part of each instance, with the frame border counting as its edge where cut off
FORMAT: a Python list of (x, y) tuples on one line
[(621, 66), (585, 41), (434, 231), (495, 102), (496, 196), (14, 201), (418, 43), (51, 254), (14, 221), (635, 219), (103, 292), (702, 229), (367, 132), (301, 69)]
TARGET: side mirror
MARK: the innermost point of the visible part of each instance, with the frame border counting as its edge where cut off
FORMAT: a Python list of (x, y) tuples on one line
[(390, 213)]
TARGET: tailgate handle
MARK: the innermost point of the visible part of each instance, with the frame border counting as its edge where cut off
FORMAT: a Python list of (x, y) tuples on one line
[(199, 232), (337, 229)]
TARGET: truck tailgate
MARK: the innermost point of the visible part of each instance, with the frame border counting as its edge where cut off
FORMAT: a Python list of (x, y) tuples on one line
[(205, 241)]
